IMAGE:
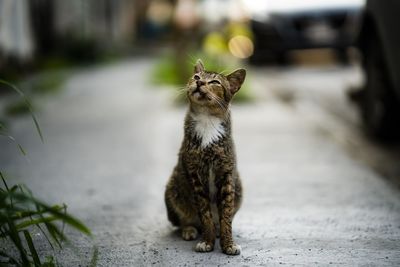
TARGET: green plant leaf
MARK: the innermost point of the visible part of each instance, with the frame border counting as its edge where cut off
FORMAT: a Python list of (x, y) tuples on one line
[(32, 249), (14, 141), (49, 262), (57, 211), (95, 256), (28, 223), (19, 210), (14, 236), (45, 235), (11, 260), (56, 234), (4, 181), (54, 210), (28, 104), (19, 214)]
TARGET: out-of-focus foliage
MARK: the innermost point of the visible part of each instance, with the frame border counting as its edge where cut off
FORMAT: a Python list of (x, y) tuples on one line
[(46, 83), (166, 72), (20, 212), (22, 215)]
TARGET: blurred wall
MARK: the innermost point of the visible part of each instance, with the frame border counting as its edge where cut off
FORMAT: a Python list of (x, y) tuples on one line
[(36, 27), (16, 38)]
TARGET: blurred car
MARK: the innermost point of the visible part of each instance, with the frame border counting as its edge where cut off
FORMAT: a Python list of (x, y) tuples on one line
[(281, 26), (379, 43)]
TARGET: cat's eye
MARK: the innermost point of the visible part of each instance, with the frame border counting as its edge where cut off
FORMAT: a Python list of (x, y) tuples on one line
[(196, 77), (214, 82)]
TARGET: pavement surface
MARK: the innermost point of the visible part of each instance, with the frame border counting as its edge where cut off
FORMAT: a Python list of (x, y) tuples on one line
[(315, 191)]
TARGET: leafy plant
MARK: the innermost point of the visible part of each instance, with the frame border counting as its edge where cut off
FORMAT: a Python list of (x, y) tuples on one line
[(48, 83), (21, 212), (17, 108)]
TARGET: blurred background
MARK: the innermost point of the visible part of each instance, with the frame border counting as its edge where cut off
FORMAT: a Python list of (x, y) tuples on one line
[(42, 41), (104, 78)]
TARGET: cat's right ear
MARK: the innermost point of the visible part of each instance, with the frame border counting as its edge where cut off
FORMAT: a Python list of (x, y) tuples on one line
[(199, 67)]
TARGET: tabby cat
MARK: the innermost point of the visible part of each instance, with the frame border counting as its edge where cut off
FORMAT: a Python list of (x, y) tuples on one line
[(204, 191)]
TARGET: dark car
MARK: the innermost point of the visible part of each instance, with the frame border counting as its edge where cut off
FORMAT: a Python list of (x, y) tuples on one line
[(308, 24), (379, 44)]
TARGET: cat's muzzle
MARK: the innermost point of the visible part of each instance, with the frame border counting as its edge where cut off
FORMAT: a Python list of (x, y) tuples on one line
[(199, 93)]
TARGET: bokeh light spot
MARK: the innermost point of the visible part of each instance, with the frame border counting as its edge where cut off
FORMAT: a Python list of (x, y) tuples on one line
[(241, 46)]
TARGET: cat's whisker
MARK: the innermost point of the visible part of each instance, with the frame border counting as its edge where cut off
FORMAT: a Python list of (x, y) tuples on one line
[(179, 95), (192, 59), (220, 102), (221, 105), (224, 108), (213, 97), (181, 91), (182, 88)]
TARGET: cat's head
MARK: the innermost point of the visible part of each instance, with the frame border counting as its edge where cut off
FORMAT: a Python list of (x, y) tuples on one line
[(212, 90)]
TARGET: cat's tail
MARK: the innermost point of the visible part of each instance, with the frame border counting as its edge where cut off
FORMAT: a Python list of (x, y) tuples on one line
[(172, 215)]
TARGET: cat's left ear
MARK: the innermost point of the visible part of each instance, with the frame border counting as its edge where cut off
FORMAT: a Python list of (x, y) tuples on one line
[(236, 80), (199, 67)]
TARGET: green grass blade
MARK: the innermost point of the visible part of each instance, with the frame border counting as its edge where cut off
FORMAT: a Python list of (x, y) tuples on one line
[(23, 214), (15, 142), (11, 260), (32, 249), (21, 149), (28, 223), (6, 186), (15, 238), (3, 233), (13, 189), (68, 219), (55, 211), (49, 262), (57, 236), (28, 105), (4, 181), (23, 207), (95, 257), (45, 235)]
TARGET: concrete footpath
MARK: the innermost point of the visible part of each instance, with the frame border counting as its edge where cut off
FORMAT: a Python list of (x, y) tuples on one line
[(111, 142)]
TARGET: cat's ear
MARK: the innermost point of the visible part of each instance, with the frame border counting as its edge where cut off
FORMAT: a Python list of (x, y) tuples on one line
[(199, 67), (236, 80)]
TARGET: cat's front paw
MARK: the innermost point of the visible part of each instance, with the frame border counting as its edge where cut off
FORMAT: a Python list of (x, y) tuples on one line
[(204, 246), (189, 233), (233, 249)]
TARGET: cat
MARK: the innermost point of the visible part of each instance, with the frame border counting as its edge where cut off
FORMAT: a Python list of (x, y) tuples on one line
[(204, 191)]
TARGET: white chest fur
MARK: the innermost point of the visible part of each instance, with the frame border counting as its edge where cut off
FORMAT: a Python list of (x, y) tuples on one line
[(208, 128)]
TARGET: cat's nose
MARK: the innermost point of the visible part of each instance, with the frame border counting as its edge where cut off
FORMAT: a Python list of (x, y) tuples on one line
[(200, 83)]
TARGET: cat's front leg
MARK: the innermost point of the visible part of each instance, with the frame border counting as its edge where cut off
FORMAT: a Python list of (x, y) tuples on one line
[(207, 241), (226, 209)]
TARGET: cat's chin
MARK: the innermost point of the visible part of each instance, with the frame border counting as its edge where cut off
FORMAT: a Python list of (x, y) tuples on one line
[(197, 95), (199, 99)]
